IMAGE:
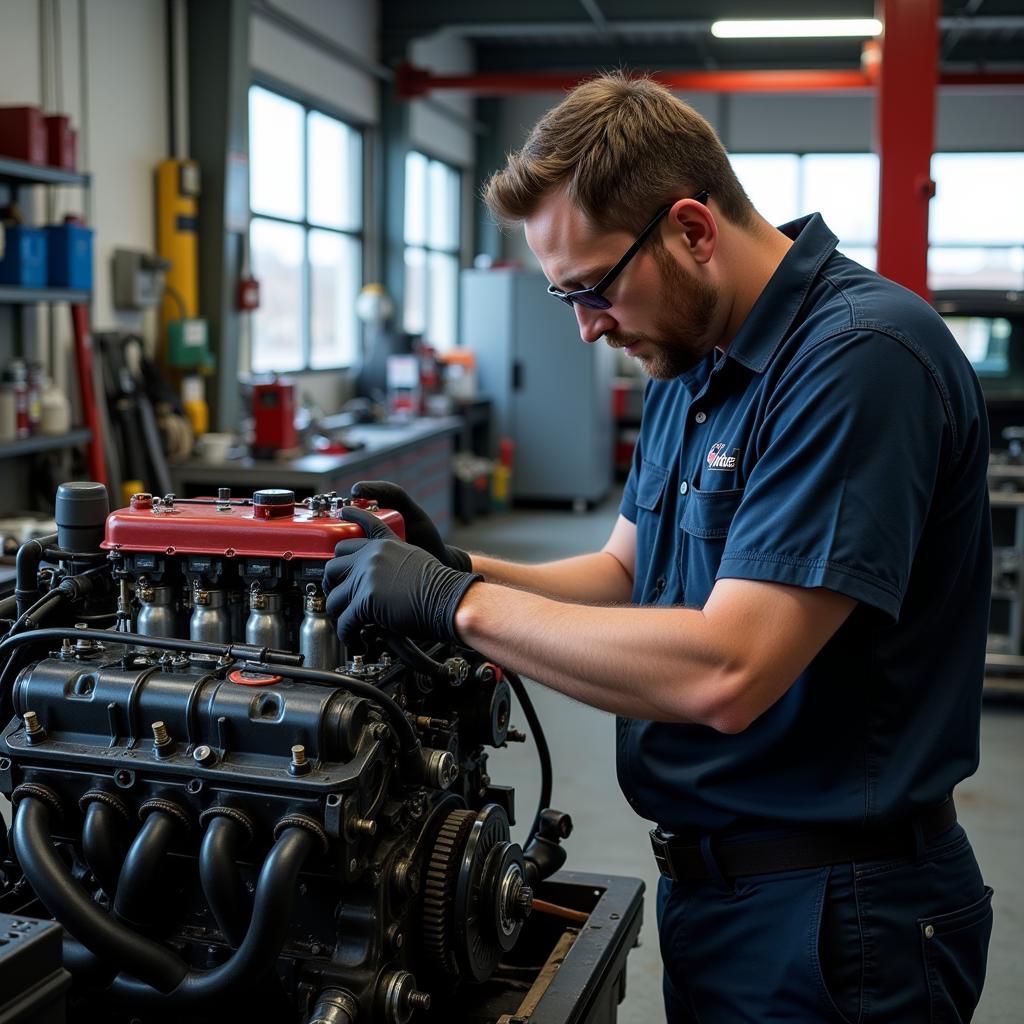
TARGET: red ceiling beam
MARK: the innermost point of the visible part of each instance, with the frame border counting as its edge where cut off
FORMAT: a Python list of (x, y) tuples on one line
[(412, 82)]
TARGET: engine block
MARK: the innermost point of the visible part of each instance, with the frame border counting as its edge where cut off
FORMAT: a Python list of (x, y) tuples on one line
[(225, 809)]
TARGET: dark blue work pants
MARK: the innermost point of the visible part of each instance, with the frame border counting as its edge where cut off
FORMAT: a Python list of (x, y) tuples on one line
[(902, 941)]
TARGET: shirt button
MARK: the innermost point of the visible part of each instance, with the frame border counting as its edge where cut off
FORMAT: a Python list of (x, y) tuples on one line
[(701, 417), (684, 487)]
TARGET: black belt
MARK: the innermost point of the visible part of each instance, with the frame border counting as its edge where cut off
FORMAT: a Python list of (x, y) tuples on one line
[(711, 859)]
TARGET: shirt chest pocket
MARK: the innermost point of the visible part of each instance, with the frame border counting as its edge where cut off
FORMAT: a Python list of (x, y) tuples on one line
[(705, 521), (650, 486)]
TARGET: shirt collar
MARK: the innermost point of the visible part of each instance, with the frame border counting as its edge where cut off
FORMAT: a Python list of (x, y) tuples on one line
[(772, 315)]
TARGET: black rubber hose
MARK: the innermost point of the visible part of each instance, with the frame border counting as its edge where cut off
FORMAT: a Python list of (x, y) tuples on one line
[(9, 607), (413, 657), (36, 611), (26, 586), (218, 873), (140, 875), (275, 895), (87, 970), (68, 902), (103, 844), (248, 652), (542, 749)]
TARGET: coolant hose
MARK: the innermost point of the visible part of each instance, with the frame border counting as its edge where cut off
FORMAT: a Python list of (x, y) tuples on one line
[(140, 875), (103, 844), (275, 895), (546, 774), (68, 902), (218, 873), (87, 971), (30, 554)]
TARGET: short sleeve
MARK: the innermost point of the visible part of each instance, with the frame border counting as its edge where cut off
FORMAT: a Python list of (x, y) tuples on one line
[(627, 506), (848, 457)]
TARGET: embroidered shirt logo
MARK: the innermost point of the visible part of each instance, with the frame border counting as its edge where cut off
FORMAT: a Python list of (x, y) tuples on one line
[(718, 459)]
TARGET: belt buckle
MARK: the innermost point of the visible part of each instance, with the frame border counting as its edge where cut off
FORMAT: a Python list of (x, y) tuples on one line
[(660, 846)]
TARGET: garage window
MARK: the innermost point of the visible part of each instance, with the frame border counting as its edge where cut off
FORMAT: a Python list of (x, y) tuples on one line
[(976, 220), (432, 196), (306, 198)]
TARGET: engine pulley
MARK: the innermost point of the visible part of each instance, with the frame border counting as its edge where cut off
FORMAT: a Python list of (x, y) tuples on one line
[(475, 899)]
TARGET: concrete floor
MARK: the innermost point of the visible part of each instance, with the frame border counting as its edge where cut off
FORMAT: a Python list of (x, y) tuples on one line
[(610, 838)]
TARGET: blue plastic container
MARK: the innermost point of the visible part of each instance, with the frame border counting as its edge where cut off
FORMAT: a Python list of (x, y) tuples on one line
[(69, 249), (24, 260)]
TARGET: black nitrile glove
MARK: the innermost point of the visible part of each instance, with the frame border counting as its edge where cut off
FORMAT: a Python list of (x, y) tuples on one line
[(382, 581), (419, 529)]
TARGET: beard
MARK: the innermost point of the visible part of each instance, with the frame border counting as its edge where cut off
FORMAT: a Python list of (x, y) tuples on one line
[(679, 340)]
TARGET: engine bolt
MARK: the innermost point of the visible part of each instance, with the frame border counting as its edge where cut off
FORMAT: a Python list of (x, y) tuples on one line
[(353, 866), (299, 765), (162, 745), (204, 755), (403, 877), (364, 825), (419, 1000), (394, 937), (34, 732), (523, 905)]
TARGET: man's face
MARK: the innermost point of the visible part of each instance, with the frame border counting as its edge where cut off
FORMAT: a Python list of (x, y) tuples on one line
[(661, 313)]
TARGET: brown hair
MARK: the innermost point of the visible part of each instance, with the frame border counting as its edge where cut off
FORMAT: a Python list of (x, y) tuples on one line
[(621, 147)]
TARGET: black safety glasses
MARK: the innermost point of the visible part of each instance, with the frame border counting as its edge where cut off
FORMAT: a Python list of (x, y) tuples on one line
[(593, 298)]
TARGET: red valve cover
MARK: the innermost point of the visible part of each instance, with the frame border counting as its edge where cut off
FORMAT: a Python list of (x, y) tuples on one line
[(235, 532)]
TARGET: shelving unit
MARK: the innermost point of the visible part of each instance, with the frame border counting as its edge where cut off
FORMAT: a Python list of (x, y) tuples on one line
[(13, 295), (20, 172), (39, 443), (19, 322)]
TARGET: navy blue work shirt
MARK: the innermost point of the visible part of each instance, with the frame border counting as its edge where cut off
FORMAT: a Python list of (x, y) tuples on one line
[(840, 442)]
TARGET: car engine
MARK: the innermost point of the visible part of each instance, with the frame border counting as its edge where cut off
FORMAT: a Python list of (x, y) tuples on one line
[(225, 810)]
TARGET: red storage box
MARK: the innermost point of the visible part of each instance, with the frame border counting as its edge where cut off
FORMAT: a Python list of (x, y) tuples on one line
[(23, 134), (60, 142)]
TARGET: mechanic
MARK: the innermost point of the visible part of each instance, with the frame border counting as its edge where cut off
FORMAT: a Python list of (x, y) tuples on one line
[(789, 617)]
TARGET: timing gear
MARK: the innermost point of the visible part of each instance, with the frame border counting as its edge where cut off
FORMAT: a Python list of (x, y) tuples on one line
[(476, 878)]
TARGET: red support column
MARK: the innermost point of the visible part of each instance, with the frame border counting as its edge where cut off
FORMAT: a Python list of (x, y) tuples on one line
[(905, 137)]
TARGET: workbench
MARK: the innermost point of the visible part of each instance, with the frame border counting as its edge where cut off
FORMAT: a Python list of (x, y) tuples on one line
[(416, 455)]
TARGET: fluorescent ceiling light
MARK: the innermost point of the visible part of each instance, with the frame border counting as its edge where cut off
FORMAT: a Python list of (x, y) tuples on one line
[(792, 28)]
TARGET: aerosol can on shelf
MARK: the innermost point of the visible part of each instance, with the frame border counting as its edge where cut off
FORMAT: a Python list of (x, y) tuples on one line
[(318, 640)]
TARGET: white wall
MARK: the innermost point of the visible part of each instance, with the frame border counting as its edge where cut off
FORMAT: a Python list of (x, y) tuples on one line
[(351, 24), (121, 122), (429, 130)]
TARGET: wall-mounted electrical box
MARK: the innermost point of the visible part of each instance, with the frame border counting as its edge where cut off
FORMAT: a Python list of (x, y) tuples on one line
[(138, 279)]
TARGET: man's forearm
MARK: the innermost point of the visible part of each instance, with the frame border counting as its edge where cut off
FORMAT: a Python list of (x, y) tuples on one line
[(591, 653), (596, 578)]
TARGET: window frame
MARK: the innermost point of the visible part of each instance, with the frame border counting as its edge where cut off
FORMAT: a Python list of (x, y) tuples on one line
[(427, 247), (311, 104)]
